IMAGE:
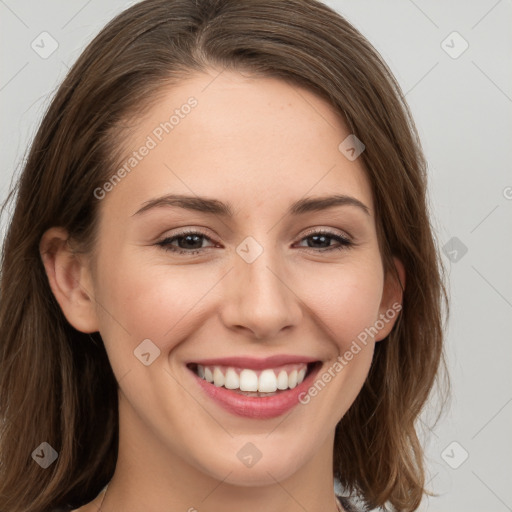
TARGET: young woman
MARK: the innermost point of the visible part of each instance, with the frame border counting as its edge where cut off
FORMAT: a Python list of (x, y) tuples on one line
[(220, 289)]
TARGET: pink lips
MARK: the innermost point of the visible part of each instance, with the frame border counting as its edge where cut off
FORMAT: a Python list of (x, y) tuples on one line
[(251, 406)]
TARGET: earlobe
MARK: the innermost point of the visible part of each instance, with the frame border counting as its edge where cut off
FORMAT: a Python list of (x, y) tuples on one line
[(392, 299), (69, 280)]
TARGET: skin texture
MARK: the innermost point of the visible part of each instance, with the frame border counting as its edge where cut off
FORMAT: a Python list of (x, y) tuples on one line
[(260, 144)]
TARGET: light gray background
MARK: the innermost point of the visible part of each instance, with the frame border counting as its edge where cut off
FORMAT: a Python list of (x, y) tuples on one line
[(462, 107)]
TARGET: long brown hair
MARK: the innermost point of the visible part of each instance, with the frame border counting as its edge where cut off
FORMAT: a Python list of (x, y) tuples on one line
[(56, 383)]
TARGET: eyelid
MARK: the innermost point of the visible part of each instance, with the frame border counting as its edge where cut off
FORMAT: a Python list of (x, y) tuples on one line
[(344, 242), (310, 231), (184, 232), (328, 230), (188, 230)]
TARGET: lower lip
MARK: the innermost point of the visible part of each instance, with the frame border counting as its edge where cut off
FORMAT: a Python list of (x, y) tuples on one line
[(257, 407)]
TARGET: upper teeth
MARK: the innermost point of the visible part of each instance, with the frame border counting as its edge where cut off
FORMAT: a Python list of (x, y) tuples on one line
[(266, 381)]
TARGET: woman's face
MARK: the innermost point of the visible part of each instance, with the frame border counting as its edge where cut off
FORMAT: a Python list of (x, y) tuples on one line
[(263, 276)]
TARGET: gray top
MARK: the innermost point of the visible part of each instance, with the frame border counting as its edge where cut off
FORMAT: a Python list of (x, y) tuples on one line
[(350, 506)]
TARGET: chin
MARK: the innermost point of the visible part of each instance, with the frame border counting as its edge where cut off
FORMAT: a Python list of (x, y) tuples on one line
[(279, 465)]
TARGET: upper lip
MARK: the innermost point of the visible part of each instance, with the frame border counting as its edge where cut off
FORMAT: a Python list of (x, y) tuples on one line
[(255, 363)]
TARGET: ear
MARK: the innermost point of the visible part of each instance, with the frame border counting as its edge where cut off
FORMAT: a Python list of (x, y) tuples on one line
[(70, 280), (392, 297)]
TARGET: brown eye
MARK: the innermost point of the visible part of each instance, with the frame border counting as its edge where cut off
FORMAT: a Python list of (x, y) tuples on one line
[(320, 241), (189, 242)]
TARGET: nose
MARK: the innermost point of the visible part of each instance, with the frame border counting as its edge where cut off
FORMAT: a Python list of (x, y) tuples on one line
[(260, 298)]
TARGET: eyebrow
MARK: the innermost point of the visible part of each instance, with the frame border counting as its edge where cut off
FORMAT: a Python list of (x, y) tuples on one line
[(216, 207)]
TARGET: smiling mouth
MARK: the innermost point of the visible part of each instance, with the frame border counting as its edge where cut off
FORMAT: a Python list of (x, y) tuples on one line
[(255, 383)]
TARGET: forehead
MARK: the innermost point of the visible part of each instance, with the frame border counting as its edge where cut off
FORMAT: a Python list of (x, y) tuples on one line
[(255, 142)]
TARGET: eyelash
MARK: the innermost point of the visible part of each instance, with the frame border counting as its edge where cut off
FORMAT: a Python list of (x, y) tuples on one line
[(345, 243)]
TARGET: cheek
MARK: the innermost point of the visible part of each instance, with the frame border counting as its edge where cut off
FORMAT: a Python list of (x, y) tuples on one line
[(157, 302), (346, 299), (345, 303)]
